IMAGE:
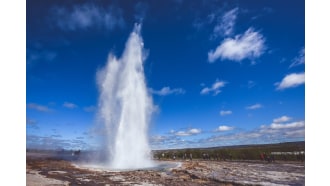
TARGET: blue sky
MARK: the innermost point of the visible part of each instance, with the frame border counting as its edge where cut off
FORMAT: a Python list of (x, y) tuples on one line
[(219, 72)]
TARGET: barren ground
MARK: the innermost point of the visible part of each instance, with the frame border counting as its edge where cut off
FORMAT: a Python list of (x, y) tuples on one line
[(50, 171)]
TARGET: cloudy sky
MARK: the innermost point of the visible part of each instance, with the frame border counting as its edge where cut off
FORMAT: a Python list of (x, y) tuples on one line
[(219, 72)]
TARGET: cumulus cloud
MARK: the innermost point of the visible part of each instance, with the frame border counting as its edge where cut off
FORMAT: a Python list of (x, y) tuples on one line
[(224, 128), (282, 119), (274, 132), (215, 88), (69, 105), (300, 59), (249, 45), (168, 142), (254, 107), (37, 107), (86, 16), (291, 80), (294, 130), (225, 25), (158, 138), (233, 139), (287, 125), (295, 133), (195, 131), (188, 132), (167, 91), (225, 112)]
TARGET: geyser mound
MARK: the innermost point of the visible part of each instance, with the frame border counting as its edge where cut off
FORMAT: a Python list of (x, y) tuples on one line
[(125, 107)]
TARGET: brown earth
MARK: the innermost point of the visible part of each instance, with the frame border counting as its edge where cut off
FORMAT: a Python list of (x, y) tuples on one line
[(51, 171)]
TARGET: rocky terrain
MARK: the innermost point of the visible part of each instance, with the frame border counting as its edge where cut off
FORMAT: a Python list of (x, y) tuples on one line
[(43, 170)]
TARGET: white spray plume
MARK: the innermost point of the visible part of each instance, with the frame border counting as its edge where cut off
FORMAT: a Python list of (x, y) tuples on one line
[(125, 106)]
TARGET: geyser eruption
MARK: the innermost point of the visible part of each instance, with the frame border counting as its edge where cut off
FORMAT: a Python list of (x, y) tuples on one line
[(125, 106)]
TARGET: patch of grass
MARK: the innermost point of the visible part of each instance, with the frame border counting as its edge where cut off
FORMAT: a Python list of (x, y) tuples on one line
[(242, 152)]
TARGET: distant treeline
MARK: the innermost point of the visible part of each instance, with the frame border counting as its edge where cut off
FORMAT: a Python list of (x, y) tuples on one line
[(290, 151)]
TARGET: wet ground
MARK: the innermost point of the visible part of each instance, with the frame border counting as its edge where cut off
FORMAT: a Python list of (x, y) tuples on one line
[(55, 171)]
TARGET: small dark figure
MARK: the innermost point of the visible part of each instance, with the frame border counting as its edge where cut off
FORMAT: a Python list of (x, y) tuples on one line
[(76, 153), (265, 156), (262, 158), (272, 158)]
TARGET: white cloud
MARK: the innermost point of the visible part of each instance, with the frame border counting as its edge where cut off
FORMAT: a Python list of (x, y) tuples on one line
[(182, 133), (282, 119), (188, 132), (272, 133), (295, 133), (265, 134), (225, 112), (158, 139), (167, 91), (224, 128), (291, 80), (194, 131), (287, 125), (234, 138), (168, 142), (87, 16), (288, 131), (253, 107), (215, 88), (69, 105), (40, 108), (300, 59), (249, 45), (226, 24)]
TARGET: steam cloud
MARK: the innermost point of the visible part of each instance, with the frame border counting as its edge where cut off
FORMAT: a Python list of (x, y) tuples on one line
[(125, 106)]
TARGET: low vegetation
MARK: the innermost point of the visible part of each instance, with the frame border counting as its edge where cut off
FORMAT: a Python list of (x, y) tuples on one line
[(289, 151)]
